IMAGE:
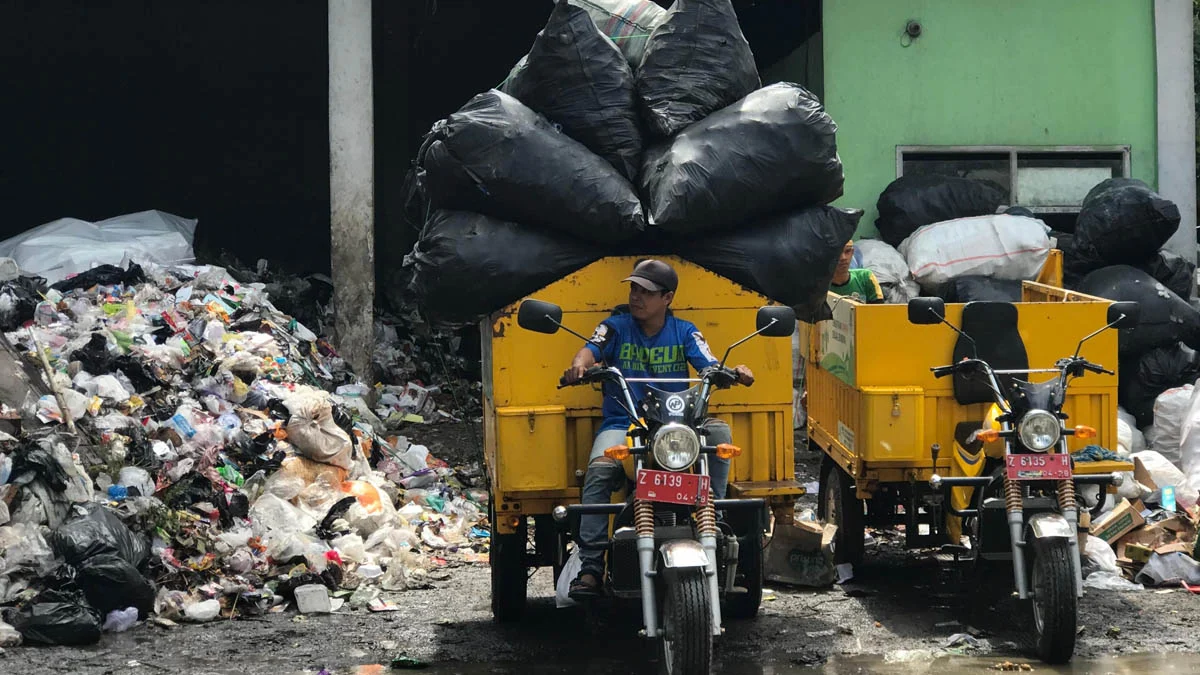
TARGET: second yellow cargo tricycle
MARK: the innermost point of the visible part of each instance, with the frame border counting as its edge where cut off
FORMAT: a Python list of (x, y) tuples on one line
[(962, 433)]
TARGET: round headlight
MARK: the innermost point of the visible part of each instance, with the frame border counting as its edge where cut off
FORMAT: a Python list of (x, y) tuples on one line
[(1039, 430), (676, 447)]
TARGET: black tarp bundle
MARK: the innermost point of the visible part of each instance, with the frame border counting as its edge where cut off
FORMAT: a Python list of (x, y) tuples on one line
[(914, 201), (1164, 317), (1121, 222), (1152, 373)]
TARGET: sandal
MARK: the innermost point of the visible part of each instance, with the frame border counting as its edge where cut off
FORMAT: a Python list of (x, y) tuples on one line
[(585, 586)]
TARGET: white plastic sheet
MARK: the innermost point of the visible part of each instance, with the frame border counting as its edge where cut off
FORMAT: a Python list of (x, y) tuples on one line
[(997, 246), (891, 270), (69, 246), (1170, 415)]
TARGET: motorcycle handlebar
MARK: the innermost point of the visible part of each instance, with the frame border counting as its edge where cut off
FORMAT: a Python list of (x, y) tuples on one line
[(592, 374)]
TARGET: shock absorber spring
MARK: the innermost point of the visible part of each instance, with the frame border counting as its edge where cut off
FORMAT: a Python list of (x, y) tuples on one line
[(706, 517), (643, 518), (1066, 495), (1012, 495)]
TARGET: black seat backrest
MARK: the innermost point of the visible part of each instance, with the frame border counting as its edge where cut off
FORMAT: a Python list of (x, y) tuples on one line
[(993, 326)]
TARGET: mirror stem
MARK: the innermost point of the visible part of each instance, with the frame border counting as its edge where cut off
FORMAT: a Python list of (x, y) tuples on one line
[(559, 324), (743, 340), (1089, 337)]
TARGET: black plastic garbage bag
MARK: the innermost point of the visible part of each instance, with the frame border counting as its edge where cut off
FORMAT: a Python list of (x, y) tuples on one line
[(982, 289), (773, 152), (497, 157), (467, 265), (914, 201), (1165, 318), (1121, 221), (58, 617), (18, 300), (789, 259), (1173, 271), (1152, 373), (110, 583), (99, 531), (697, 61), (102, 275), (580, 80)]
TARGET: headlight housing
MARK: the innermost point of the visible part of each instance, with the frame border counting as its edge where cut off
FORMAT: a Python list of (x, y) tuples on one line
[(676, 447), (1039, 430)]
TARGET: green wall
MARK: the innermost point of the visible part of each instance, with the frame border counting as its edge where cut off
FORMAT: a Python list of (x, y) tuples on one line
[(986, 72)]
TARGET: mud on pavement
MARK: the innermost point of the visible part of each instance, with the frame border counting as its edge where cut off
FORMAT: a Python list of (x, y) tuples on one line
[(901, 606)]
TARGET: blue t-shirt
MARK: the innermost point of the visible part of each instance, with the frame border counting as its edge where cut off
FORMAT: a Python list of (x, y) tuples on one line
[(619, 342)]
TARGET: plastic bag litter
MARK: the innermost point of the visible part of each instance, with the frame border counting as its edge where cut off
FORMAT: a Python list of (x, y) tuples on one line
[(997, 246), (1170, 415), (789, 259), (891, 270), (9, 636), (458, 275), (579, 79), (70, 246), (1152, 373), (1101, 554), (772, 152), (1172, 271), (202, 612), (1129, 436), (23, 546), (270, 514), (697, 61), (110, 583), (98, 531), (628, 23), (1169, 570), (497, 157), (1164, 318), (58, 617), (914, 201), (1189, 444), (1110, 581), (1165, 474), (562, 589), (120, 620), (1121, 221), (48, 410), (315, 435)]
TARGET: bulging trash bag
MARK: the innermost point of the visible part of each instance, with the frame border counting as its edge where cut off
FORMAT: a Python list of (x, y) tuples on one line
[(497, 157), (697, 61), (998, 246), (98, 531), (1173, 271), (1121, 221), (982, 289), (789, 259), (314, 433), (891, 270), (1170, 415), (628, 23), (579, 80), (772, 152), (111, 583), (1129, 435), (467, 265), (1164, 317), (1152, 373), (58, 617), (913, 201)]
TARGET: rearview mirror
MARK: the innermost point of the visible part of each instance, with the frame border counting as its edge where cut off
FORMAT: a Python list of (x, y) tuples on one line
[(926, 311), (539, 317), (1123, 314), (784, 319)]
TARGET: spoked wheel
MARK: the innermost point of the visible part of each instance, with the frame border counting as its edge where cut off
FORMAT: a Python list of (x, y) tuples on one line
[(838, 503), (509, 578), (687, 627), (1055, 605)]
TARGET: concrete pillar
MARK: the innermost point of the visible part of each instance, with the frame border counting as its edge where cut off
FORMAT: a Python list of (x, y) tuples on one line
[(1177, 117), (352, 180)]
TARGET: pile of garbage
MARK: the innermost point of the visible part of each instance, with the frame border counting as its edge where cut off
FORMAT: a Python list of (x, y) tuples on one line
[(202, 454), (596, 145)]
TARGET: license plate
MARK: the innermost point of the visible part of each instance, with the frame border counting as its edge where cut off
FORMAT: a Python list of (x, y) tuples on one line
[(672, 488), (1039, 467)]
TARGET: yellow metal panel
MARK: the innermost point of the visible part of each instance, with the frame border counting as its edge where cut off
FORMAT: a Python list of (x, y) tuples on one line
[(899, 424), (534, 457), (1052, 271)]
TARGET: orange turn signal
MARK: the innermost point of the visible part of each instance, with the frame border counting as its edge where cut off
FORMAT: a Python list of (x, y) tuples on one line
[(728, 451), (987, 435), (617, 452), (1084, 432)]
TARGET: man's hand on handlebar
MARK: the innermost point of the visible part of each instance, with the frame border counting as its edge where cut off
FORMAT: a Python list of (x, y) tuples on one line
[(583, 361), (745, 376)]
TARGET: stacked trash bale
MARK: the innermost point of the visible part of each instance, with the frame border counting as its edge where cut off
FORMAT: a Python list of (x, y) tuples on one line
[(668, 145)]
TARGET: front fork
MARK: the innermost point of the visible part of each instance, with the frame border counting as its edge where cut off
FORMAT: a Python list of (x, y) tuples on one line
[(1067, 506)]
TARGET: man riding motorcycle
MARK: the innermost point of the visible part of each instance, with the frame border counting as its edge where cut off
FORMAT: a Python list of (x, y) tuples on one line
[(647, 342)]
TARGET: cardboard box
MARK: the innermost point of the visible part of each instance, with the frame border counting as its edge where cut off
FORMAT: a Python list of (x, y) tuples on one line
[(1176, 547), (801, 554), (1141, 475), (1136, 553), (1120, 521)]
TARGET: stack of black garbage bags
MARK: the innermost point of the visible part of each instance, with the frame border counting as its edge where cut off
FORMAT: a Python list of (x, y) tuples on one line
[(581, 154)]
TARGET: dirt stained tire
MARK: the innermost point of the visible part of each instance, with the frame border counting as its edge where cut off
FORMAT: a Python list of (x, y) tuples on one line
[(837, 503), (749, 576), (687, 640), (510, 579), (1055, 605)]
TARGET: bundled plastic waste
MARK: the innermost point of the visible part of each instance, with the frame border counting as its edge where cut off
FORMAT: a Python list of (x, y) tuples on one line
[(222, 457)]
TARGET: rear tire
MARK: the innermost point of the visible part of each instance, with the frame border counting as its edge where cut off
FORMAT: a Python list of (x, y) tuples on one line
[(837, 503), (1055, 605), (509, 577), (750, 576), (687, 626)]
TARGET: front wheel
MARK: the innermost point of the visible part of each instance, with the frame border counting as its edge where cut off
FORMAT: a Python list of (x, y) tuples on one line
[(687, 627), (1055, 605), (509, 576)]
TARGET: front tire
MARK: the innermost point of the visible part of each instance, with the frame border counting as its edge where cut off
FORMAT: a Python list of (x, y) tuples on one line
[(509, 577), (687, 627), (838, 503), (1055, 605)]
